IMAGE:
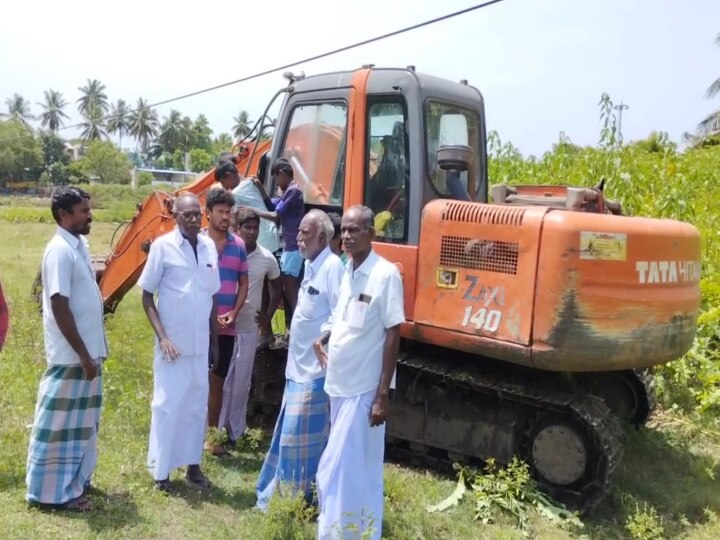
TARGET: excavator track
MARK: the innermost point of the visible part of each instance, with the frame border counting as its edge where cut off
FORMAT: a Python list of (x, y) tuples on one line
[(535, 402), (447, 410)]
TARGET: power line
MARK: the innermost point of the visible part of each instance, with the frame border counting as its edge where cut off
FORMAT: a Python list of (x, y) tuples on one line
[(296, 63)]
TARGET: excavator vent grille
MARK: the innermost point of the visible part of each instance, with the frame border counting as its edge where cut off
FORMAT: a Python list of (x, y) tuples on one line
[(483, 213), (479, 254)]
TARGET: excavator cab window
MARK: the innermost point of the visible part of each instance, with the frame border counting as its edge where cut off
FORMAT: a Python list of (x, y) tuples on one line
[(387, 167), (448, 124), (315, 146)]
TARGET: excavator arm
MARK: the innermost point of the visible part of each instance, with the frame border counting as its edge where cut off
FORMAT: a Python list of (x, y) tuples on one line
[(122, 268)]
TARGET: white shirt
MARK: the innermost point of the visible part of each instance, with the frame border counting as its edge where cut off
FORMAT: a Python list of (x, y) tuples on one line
[(67, 271), (370, 302), (261, 264), (246, 194), (317, 299), (185, 289)]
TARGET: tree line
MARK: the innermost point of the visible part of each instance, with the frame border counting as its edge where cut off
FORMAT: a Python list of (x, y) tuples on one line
[(30, 144)]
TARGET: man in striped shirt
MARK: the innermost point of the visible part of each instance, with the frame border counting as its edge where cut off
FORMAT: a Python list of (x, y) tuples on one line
[(232, 261)]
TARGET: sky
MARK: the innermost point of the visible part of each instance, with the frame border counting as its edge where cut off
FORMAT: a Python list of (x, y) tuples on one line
[(541, 65)]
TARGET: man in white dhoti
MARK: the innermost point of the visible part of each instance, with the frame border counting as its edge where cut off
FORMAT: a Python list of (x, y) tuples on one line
[(362, 352), (182, 267)]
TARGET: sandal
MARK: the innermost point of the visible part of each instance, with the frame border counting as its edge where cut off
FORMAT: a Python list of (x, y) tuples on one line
[(164, 485), (78, 504), (199, 482)]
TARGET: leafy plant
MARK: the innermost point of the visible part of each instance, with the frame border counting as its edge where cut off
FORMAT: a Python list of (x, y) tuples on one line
[(645, 524), (507, 491)]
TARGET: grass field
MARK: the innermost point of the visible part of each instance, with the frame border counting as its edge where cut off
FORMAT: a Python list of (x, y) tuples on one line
[(669, 486)]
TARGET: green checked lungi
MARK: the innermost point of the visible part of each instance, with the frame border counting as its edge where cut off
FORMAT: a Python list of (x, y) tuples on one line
[(63, 442)]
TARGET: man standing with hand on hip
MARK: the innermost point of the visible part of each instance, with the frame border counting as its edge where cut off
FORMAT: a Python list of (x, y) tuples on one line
[(362, 352), (182, 267), (63, 442)]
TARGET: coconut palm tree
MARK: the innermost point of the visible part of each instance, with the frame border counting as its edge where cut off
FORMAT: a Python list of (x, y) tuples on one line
[(143, 124), (172, 132), (119, 120), (52, 116), (18, 110), (94, 125), (93, 95), (242, 124), (711, 124)]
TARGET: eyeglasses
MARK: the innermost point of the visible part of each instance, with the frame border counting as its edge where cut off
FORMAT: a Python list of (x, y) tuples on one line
[(190, 215)]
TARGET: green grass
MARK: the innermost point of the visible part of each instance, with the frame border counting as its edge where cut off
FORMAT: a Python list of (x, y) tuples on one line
[(670, 467)]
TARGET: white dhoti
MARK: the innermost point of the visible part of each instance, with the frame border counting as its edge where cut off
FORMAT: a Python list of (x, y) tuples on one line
[(350, 474), (179, 413), (233, 414)]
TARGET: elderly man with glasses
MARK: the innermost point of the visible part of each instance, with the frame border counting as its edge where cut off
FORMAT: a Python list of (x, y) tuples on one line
[(182, 267)]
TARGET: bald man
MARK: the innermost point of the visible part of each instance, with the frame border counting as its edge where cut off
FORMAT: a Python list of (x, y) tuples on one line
[(182, 267)]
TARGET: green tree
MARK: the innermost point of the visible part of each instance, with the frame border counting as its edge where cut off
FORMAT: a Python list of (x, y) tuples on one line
[(108, 164), (187, 134), (144, 124), (242, 124), (223, 143), (171, 132), (20, 153), (200, 160), (18, 110), (202, 133), (53, 114), (77, 172), (93, 97), (711, 124), (94, 124), (119, 120), (53, 150), (178, 160)]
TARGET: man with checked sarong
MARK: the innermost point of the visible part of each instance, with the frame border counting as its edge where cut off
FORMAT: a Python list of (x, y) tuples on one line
[(63, 442), (303, 423)]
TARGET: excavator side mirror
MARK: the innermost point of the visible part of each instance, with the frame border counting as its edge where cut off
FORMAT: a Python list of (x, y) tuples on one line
[(454, 157)]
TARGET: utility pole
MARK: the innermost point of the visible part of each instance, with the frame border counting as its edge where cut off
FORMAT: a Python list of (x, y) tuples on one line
[(620, 108)]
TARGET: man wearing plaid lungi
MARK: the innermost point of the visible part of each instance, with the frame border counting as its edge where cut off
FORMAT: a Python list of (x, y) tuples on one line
[(63, 443), (303, 424)]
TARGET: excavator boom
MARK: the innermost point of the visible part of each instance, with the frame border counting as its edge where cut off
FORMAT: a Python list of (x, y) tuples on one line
[(122, 268)]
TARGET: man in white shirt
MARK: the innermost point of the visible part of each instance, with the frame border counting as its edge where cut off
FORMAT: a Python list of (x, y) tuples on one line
[(63, 443), (182, 267), (262, 265), (362, 352), (302, 426)]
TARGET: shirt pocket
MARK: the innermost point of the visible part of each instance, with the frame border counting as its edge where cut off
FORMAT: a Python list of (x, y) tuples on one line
[(208, 277), (311, 303)]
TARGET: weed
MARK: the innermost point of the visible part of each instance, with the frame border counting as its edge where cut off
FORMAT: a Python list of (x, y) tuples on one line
[(645, 524)]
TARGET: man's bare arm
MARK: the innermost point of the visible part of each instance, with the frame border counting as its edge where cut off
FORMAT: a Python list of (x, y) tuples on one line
[(275, 293), (65, 320), (382, 396), (228, 319), (214, 340), (168, 349)]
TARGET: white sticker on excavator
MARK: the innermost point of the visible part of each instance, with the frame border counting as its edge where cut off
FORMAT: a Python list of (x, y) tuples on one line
[(650, 272)]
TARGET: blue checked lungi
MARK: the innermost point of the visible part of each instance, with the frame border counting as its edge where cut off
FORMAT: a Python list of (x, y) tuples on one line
[(300, 436), (63, 442)]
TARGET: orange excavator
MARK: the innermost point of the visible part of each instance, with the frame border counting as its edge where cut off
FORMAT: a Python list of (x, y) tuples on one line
[(531, 319)]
